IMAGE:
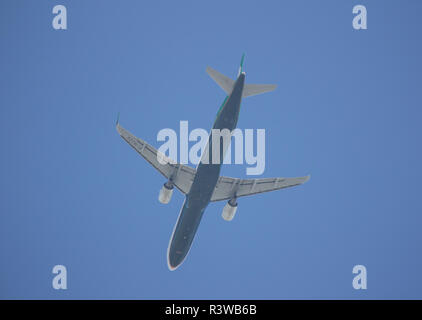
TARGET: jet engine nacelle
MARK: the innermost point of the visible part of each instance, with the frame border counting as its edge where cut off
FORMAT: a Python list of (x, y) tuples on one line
[(229, 210), (165, 193)]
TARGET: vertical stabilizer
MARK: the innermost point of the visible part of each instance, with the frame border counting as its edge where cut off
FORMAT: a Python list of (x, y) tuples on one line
[(241, 65)]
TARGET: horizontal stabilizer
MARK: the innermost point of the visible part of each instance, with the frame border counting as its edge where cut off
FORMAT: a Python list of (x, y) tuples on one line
[(224, 82), (254, 89)]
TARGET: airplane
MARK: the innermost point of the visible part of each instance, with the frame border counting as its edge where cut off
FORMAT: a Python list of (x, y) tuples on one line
[(204, 184)]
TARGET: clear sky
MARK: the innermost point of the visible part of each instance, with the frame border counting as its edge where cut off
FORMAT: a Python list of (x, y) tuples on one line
[(347, 110)]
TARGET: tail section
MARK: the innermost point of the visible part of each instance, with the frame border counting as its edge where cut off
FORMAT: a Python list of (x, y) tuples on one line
[(224, 82), (254, 89), (227, 84), (241, 65)]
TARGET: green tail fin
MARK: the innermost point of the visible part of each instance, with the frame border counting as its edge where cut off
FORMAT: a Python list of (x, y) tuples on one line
[(241, 64)]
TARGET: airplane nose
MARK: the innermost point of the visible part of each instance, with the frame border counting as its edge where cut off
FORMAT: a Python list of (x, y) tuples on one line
[(175, 259)]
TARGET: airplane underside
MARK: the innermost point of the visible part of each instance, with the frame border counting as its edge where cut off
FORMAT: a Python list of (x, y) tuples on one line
[(205, 185)]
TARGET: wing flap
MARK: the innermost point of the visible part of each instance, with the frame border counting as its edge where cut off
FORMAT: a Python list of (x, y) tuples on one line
[(228, 188)]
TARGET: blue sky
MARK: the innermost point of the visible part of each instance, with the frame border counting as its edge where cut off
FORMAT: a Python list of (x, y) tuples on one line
[(347, 110)]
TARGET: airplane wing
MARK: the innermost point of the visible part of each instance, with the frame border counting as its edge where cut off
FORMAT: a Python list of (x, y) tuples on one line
[(228, 188), (181, 175)]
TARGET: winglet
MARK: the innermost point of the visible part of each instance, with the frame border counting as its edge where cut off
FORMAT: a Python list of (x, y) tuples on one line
[(118, 117)]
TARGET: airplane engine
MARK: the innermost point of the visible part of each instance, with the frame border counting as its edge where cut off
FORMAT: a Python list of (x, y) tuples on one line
[(229, 210), (165, 193)]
